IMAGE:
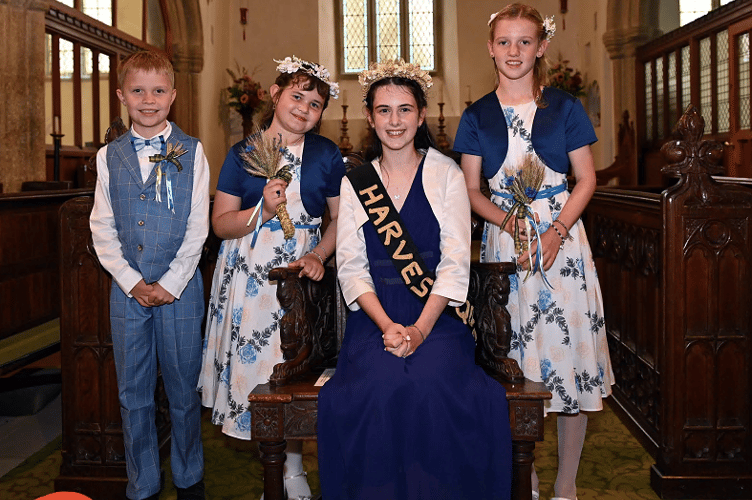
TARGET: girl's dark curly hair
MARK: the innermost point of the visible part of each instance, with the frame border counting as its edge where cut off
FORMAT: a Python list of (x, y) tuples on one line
[(306, 82), (423, 138)]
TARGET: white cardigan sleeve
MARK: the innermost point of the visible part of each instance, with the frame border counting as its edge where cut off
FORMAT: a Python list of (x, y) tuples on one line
[(353, 270), (447, 194)]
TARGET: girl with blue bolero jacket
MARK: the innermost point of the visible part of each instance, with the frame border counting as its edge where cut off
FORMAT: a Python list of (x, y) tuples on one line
[(559, 334), (242, 342)]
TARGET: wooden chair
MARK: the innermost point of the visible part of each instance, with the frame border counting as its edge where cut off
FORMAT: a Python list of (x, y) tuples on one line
[(311, 333)]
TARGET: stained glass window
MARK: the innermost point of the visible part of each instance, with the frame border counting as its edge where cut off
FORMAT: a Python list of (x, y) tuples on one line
[(706, 89), (744, 82), (649, 101), (101, 10), (722, 81), (377, 30)]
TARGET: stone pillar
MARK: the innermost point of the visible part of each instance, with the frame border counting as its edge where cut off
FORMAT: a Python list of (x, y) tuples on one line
[(186, 107), (184, 18), (22, 126), (630, 23)]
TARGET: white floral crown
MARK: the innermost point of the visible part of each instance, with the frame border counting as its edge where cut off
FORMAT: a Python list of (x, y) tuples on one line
[(389, 69), (549, 27), (293, 64)]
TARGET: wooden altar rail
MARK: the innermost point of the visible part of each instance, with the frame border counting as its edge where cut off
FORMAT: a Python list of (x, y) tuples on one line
[(675, 270), (29, 259)]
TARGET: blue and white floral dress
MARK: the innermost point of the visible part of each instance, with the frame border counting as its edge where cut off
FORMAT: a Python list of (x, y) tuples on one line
[(243, 319), (559, 334)]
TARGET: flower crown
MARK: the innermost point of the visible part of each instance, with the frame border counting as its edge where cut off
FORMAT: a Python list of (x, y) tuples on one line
[(293, 64), (389, 69), (549, 27)]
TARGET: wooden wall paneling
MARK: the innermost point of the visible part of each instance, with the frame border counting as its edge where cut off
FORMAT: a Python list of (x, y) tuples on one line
[(92, 448), (29, 254), (675, 270), (625, 232), (707, 371)]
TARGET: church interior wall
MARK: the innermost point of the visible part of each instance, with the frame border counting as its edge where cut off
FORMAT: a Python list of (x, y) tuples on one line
[(307, 29)]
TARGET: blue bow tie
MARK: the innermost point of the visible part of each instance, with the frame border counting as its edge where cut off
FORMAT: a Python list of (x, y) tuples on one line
[(139, 144)]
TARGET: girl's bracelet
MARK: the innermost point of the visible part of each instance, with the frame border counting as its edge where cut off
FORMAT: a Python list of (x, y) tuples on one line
[(561, 247), (314, 252), (564, 226), (419, 331)]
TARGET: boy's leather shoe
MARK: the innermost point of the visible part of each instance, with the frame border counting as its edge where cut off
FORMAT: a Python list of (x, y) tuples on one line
[(195, 492)]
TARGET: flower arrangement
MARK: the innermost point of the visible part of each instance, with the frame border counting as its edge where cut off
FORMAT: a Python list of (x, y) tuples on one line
[(246, 94), (566, 78), (262, 157), (523, 184)]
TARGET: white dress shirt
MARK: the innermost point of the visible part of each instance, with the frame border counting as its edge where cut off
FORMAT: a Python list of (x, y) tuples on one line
[(446, 192), (105, 235)]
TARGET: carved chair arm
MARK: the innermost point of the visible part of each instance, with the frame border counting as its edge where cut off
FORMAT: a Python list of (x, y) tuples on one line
[(308, 328), (489, 293)]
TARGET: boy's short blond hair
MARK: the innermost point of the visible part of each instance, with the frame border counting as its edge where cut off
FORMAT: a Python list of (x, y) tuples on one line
[(146, 60)]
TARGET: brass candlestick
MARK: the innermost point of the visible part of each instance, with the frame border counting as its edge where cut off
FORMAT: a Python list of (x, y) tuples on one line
[(344, 140), (441, 138), (468, 103)]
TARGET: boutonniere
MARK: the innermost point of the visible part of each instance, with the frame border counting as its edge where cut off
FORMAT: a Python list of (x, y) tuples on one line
[(174, 151)]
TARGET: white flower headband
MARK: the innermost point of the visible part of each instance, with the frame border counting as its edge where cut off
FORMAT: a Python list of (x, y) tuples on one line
[(389, 69), (293, 64), (549, 27)]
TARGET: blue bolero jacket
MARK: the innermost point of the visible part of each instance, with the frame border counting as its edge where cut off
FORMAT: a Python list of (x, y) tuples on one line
[(321, 171), (559, 128)]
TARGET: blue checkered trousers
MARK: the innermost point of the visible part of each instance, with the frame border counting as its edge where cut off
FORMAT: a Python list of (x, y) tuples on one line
[(151, 234)]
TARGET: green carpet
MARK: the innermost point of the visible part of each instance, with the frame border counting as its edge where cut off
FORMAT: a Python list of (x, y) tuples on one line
[(613, 466)]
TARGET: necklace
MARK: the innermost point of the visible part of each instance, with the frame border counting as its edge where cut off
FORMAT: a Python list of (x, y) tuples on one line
[(407, 180)]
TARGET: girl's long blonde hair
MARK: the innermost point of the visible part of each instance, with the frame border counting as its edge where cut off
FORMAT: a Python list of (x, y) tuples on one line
[(540, 69)]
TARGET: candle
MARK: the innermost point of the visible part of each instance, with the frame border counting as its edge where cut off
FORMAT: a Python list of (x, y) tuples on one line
[(56, 125), (441, 92), (469, 98), (344, 97)]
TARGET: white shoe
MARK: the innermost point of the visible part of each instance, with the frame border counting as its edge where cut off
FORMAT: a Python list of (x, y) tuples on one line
[(296, 487)]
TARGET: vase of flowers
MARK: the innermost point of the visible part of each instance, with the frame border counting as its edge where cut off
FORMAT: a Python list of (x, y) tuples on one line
[(566, 78), (246, 96)]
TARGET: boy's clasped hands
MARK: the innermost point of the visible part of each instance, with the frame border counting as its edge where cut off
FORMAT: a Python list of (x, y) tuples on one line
[(151, 295)]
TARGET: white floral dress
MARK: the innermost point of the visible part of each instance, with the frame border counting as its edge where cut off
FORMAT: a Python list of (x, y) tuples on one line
[(559, 334), (242, 345)]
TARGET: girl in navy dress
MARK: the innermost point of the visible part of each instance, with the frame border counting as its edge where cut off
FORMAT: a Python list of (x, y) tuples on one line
[(559, 336), (242, 342), (408, 414)]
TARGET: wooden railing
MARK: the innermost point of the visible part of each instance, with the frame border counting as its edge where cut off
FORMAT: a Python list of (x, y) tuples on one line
[(675, 269)]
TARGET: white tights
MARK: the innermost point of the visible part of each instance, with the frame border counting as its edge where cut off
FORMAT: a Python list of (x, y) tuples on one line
[(296, 483), (571, 430)]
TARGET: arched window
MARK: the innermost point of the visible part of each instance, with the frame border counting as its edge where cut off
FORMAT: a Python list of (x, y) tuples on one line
[(689, 10), (377, 30)]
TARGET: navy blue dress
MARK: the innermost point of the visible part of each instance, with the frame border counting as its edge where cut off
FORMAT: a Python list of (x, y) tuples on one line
[(429, 426)]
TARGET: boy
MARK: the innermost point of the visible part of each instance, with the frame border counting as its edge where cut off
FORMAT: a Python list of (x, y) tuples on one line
[(149, 223)]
